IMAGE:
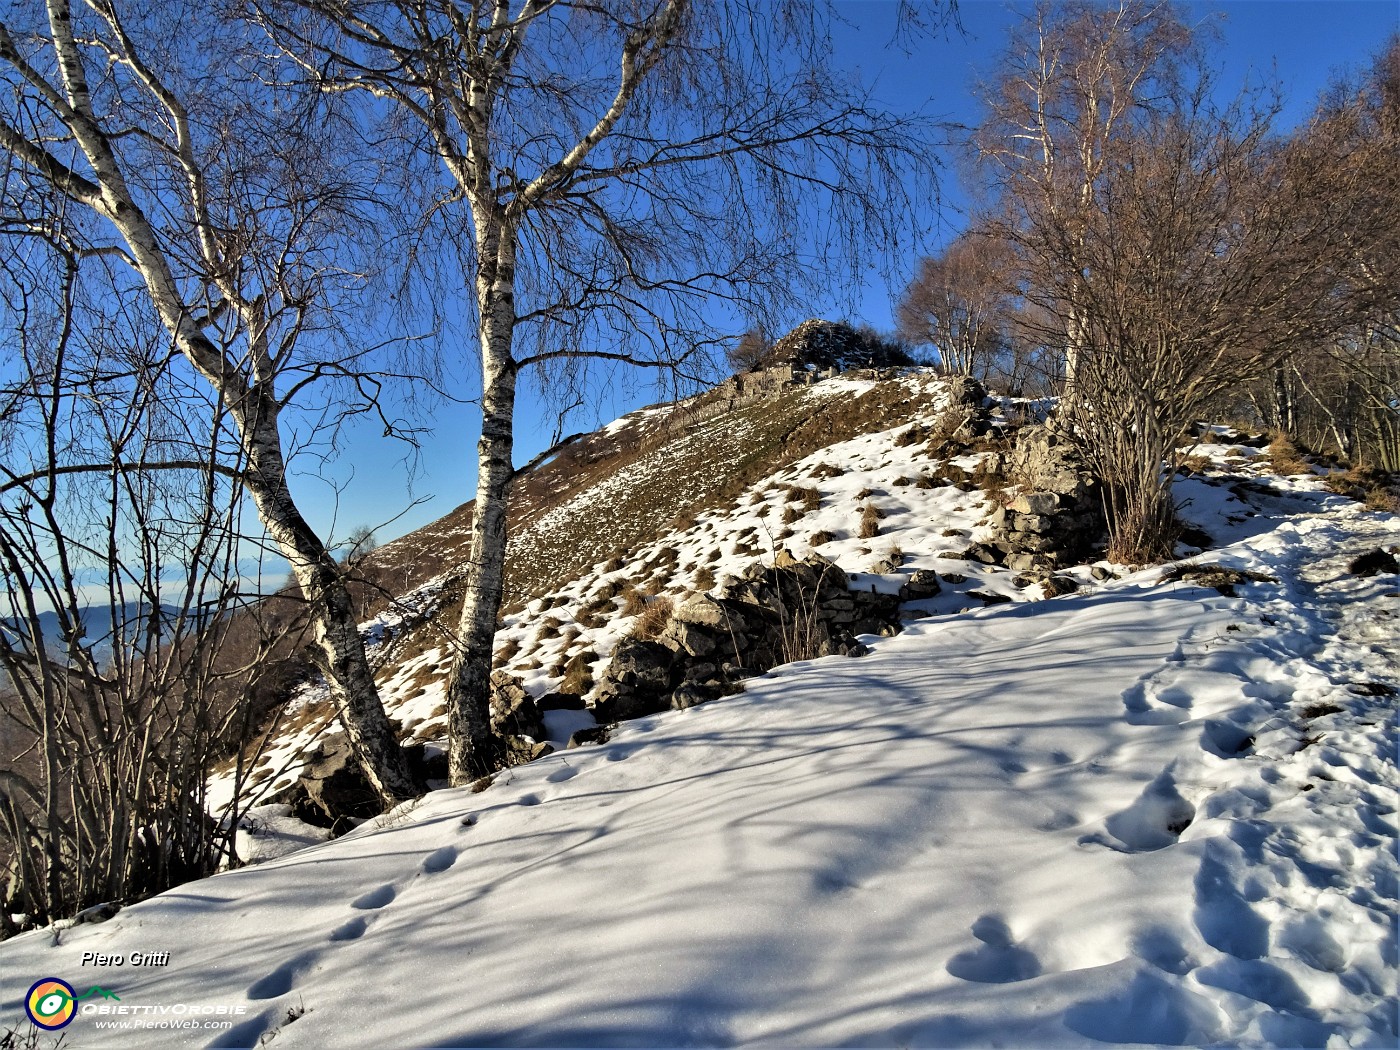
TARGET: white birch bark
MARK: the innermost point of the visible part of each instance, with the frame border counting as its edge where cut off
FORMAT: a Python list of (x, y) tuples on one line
[(250, 399)]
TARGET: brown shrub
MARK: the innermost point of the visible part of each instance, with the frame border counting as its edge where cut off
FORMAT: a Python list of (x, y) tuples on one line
[(704, 578), (549, 628), (507, 650), (578, 673), (605, 593), (1368, 485), (1193, 465), (820, 537)]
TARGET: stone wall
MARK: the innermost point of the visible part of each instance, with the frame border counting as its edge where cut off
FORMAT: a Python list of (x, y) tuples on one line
[(795, 610), (1057, 519)]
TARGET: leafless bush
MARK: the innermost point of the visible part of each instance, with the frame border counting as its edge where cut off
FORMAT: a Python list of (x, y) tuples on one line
[(118, 593)]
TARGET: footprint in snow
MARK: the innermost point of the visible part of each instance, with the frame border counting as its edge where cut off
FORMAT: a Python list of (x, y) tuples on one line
[(376, 898), (999, 960), (1154, 821), (563, 773), (283, 979), (351, 929), (248, 1033), (1225, 739), (1223, 916), (439, 860)]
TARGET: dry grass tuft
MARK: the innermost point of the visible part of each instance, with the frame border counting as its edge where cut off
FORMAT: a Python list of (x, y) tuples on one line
[(633, 601), (1285, 457), (654, 617), (870, 516)]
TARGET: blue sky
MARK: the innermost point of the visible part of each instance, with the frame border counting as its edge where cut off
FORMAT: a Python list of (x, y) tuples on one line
[(1300, 43)]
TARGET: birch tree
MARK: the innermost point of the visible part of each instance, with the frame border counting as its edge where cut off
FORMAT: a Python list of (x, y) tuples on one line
[(1176, 245), (960, 302), (1070, 85), (613, 170), (206, 183)]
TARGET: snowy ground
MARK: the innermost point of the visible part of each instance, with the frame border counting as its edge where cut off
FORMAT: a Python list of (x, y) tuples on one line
[(1145, 814)]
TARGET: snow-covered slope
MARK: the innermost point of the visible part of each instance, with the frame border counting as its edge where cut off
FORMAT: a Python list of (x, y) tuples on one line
[(671, 501), (1146, 813)]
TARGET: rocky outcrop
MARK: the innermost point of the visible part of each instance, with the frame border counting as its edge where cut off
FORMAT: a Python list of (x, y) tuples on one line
[(1058, 516), (834, 344), (333, 792), (517, 721), (794, 610)]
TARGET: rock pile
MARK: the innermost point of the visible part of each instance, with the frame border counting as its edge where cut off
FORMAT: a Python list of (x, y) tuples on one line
[(834, 344), (332, 790), (795, 610), (1057, 518)]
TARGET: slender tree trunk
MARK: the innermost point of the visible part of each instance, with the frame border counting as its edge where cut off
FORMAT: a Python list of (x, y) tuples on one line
[(337, 629), (473, 748), (254, 408)]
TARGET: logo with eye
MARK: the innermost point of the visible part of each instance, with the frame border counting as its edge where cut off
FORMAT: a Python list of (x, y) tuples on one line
[(50, 1003)]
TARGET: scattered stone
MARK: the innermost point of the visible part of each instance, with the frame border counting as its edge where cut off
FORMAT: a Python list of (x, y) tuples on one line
[(984, 553), (592, 735), (1218, 577), (922, 584), (886, 564), (561, 702), (797, 609), (332, 791), (514, 712), (989, 597), (1056, 586)]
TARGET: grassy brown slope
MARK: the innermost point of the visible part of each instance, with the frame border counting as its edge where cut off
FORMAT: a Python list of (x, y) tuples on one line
[(612, 491)]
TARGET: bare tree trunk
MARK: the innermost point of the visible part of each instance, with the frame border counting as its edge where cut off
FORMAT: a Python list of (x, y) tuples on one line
[(337, 629), (246, 387), (475, 750)]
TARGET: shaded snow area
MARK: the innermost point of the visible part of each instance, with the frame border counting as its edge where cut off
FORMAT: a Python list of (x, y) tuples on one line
[(929, 520), (1143, 814)]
